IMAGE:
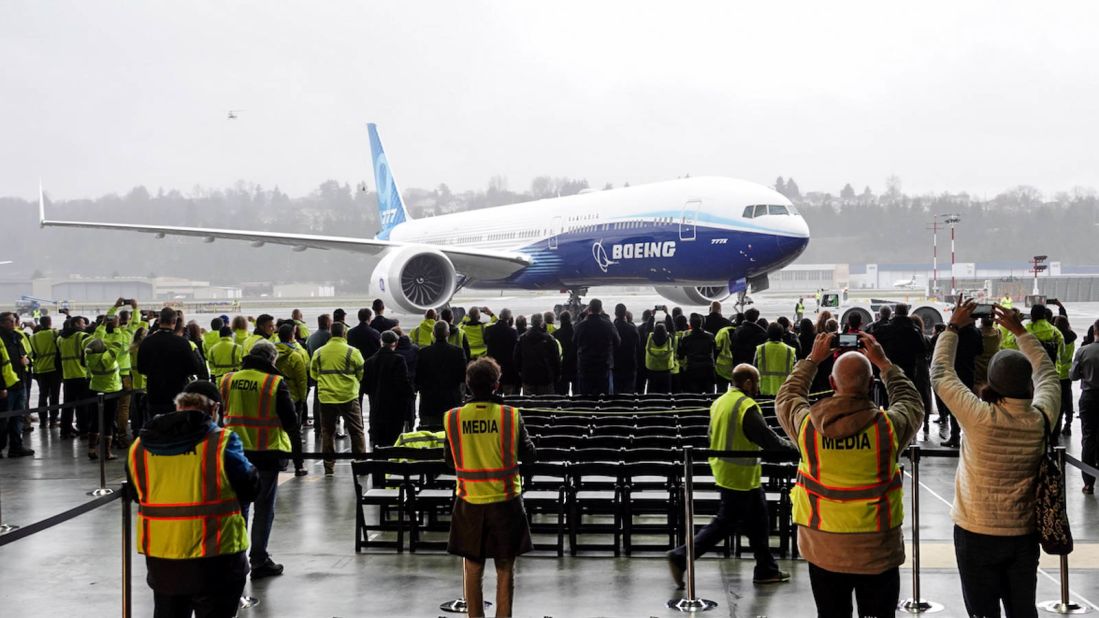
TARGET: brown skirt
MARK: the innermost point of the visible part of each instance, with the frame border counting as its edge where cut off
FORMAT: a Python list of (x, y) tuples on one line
[(480, 531)]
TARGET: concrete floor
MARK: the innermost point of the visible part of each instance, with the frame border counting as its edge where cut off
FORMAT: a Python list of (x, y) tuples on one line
[(74, 568)]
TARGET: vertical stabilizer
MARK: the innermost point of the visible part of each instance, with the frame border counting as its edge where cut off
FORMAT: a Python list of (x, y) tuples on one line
[(391, 210)]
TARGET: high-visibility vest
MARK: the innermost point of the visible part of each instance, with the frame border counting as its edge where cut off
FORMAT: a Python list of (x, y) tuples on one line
[(475, 334), (456, 338), (482, 437), (799, 308), (224, 356), (303, 330), (71, 349), (186, 506), (338, 369), (250, 400), (103, 370), (849, 484), (775, 361), (1064, 363), (210, 338), (7, 371), (241, 335), (723, 365), (421, 439), (1006, 302), (660, 357), (424, 333), (44, 350), (727, 434)]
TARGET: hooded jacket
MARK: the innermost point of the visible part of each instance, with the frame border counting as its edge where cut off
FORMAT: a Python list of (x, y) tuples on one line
[(293, 364), (838, 417)]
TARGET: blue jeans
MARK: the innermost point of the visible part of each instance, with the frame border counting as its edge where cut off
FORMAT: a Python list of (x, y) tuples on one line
[(265, 516), (11, 429), (997, 569)]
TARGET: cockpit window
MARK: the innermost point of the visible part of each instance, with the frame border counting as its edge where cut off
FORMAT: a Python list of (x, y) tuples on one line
[(748, 211), (776, 209), (761, 210), (793, 211)]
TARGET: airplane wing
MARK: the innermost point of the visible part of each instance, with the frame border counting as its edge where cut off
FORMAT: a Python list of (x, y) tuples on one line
[(473, 262)]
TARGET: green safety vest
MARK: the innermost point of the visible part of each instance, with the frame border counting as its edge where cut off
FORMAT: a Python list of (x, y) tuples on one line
[(727, 434), (71, 349), (424, 333), (303, 330), (775, 361), (44, 351), (475, 334), (104, 369), (250, 409), (224, 356), (660, 358), (338, 369), (209, 340), (723, 365), (7, 371), (483, 440)]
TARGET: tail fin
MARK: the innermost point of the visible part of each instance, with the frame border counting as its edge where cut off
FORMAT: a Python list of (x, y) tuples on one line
[(391, 210)]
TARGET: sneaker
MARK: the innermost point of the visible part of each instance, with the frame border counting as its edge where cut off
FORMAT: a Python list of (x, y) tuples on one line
[(676, 569), (267, 569), (301, 472), (329, 471), (23, 452), (774, 578)]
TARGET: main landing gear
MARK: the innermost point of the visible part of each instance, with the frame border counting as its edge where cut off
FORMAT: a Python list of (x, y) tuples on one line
[(574, 305)]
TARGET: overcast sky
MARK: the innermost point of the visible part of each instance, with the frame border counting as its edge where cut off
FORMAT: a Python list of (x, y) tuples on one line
[(97, 97)]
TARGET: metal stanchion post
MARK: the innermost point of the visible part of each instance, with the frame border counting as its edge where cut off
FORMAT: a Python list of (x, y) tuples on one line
[(5, 528), (916, 604), (459, 605), (690, 603), (102, 448), (1064, 605), (127, 552)]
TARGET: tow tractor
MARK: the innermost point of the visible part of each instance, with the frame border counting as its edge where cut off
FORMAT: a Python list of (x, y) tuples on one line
[(842, 306)]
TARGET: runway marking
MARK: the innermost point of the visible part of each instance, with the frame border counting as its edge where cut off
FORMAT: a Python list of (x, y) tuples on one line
[(1041, 570)]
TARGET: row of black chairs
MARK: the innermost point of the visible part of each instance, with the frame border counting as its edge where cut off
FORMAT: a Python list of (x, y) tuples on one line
[(624, 496)]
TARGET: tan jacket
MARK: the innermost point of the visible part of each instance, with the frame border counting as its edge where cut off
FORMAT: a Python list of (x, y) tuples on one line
[(867, 553), (1002, 443)]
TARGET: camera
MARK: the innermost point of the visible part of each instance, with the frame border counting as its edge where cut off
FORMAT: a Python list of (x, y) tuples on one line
[(982, 311), (846, 341)]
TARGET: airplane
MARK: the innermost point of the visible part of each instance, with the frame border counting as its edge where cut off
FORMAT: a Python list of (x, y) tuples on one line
[(233, 113), (907, 284), (695, 240)]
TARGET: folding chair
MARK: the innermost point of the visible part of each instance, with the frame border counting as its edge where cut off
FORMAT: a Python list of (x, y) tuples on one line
[(557, 441), (660, 420), (615, 442), (612, 430), (590, 499), (650, 488), (389, 500), (664, 442), (545, 494), (429, 505)]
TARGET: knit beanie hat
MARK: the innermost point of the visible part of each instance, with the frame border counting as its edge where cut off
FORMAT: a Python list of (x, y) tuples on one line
[(1009, 373)]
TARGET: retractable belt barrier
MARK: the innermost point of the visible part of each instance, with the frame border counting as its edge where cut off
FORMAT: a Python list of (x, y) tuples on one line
[(67, 404)]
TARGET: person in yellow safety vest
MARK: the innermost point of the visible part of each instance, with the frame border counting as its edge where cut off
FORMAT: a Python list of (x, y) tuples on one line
[(240, 330), (486, 440), (1064, 368), (112, 329), (774, 359), (736, 424), (723, 364), (1007, 339), (1046, 333), (224, 356), (101, 357), (293, 364), (548, 319), (265, 331), (474, 330), (47, 370), (337, 368), (424, 333), (189, 478), (848, 502), (799, 309), (74, 376), (660, 349), (259, 409), (1006, 302), (456, 338), (14, 376), (211, 337), (303, 329)]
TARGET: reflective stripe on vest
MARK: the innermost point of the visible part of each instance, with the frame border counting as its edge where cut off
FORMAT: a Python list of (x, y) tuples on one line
[(250, 412), (727, 433), (770, 376), (346, 371), (186, 506), (841, 487), (485, 464)]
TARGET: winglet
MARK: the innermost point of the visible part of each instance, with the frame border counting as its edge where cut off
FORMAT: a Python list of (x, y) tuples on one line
[(41, 205)]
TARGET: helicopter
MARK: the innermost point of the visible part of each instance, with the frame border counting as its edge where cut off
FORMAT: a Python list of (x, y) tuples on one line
[(233, 113)]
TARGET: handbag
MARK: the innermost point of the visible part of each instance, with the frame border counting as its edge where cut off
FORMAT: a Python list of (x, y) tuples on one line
[(1051, 516)]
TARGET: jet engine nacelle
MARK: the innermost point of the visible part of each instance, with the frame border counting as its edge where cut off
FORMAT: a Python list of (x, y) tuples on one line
[(414, 279), (694, 296)]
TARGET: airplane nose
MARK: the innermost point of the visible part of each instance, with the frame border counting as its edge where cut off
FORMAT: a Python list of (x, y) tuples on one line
[(803, 227)]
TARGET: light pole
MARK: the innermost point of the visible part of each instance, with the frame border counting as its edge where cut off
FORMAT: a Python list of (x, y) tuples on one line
[(1037, 268), (934, 227), (952, 220)]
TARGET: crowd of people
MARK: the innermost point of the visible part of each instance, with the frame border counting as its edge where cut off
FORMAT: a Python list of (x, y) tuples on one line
[(991, 379)]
